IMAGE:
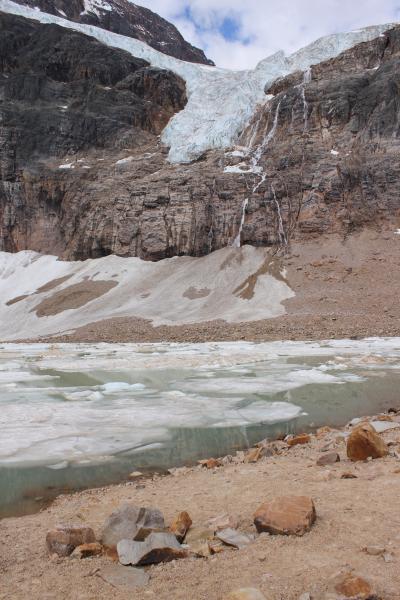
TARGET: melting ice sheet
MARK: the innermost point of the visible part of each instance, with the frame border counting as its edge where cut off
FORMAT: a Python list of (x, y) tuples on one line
[(77, 404)]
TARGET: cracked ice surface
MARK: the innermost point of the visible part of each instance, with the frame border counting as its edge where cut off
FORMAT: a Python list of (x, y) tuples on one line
[(220, 102)]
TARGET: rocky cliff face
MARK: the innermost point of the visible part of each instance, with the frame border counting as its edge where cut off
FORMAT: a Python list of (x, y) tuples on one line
[(84, 174), (125, 18)]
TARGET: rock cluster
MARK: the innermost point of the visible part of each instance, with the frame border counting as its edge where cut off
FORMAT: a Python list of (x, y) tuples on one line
[(139, 537)]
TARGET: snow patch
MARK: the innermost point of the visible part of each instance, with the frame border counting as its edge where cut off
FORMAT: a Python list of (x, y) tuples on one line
[(155, 291)]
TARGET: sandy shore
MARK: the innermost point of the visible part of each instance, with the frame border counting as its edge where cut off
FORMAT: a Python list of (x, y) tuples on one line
[(351, 515)]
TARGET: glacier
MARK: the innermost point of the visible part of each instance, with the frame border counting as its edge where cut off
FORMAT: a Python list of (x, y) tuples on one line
[(220, 102)]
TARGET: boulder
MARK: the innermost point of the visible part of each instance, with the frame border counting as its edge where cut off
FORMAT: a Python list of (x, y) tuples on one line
[(302, 439), (157, 548), (234, 538), (245, 594), (364, 443), (65, 538), (330, 458), (286, 515), (181, 525), (129, 522), (87, 550)]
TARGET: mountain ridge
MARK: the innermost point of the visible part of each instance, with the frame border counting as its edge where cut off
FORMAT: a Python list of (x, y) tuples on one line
[(125, 18)]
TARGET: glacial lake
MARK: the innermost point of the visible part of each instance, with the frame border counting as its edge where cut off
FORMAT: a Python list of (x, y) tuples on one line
[(74, 416)]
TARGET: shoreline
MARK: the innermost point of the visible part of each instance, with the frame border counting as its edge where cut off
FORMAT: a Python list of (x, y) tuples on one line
[(281, 567)]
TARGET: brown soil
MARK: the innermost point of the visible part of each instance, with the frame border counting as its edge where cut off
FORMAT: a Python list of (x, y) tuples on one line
[(74, 296), (352, 514), (344, 288)]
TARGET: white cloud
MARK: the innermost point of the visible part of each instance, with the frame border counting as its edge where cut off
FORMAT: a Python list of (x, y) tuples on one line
[(270, 25)]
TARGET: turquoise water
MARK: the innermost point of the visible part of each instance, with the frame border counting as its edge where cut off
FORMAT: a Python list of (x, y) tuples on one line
[(75, 416)]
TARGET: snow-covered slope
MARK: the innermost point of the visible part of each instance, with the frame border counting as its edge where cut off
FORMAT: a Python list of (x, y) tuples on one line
[(221, 102), (37, 292)]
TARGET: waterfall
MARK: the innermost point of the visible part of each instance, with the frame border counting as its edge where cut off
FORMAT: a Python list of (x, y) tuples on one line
[(306, 79), (270, 136), (260, 172), (281, 230), (237, 240)]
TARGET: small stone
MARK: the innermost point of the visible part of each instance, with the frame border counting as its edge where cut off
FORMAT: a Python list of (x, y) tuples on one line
[(127, 521), (65, 538), (388, 557), (181, 525), (329, 458), (211, 463), (348, 475), (245, 594), (124, 579), (253, 455), (234, 538), (135, 475), (286, 515), (87, 550), (302, 439), (216, 546), (157, 548), (305, 596), (375, 550), (364, 443), (224, 521), (322, 431), (350, 585), (198, 540)]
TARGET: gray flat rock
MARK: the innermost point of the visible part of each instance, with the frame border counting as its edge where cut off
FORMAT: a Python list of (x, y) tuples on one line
[(127, 521), (123, 577), (232, 537), (157, 548)]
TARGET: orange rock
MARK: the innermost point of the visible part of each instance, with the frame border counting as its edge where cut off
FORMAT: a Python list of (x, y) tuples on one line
[(383, 418), (253, 455), (304, 438), (287, 515), (88, 550), (181, 526), (210, 463), (352, 586), (322, 431), (364, 443), (64, 539)]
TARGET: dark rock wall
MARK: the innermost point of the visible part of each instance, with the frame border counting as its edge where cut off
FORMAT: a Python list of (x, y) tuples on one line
[(331, 167), (126, 19)]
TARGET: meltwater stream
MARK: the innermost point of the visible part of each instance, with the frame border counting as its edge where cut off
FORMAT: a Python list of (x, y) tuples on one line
[(79, 415)]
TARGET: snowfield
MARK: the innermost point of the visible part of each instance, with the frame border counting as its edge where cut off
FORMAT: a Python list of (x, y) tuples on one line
[(220, 102), (223, 285)]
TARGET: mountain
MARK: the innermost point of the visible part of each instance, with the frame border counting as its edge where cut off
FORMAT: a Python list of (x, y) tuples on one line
[(125, 18), (103, 153)]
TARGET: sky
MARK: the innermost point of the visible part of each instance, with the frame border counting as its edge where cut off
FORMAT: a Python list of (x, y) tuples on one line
[(237, 34)]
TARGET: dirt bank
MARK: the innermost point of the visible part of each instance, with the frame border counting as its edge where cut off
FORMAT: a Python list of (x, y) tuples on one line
[(351, 515)]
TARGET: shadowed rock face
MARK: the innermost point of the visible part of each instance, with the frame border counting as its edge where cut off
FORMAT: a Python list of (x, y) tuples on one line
[(330, 167), (125, 18)]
